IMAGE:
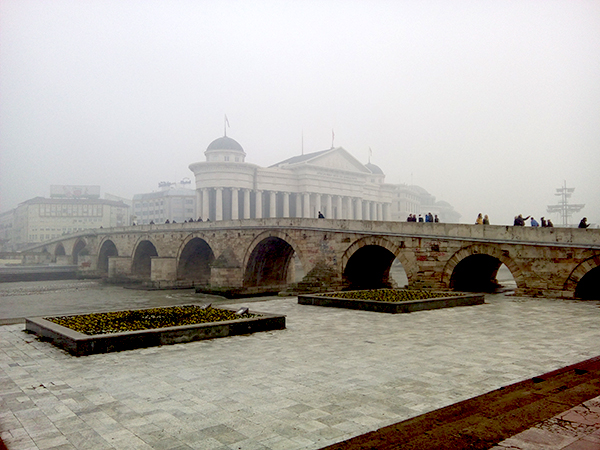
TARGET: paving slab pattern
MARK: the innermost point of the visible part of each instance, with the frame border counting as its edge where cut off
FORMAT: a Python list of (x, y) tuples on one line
[(575, 429), (332, 374)]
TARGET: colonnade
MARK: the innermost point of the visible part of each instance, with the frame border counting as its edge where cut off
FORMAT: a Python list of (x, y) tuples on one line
[(236, 203)]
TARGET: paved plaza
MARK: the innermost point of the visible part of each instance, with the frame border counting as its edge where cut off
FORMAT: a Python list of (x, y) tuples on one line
[(332, 374)]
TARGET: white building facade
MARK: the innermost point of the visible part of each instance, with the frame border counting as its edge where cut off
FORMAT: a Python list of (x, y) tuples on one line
[(331, 182)]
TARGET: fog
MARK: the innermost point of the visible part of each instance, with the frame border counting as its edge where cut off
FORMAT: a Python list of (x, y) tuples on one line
[(488, 105)]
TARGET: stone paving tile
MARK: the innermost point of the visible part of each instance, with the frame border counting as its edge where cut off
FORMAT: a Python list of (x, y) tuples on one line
[(332, 374), (575, 429)]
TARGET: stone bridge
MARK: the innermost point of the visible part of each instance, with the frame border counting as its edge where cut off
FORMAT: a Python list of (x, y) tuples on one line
[(268, 255)]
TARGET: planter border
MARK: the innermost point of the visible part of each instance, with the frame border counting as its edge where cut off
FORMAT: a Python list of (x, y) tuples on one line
[(80, 344), (406, 306)]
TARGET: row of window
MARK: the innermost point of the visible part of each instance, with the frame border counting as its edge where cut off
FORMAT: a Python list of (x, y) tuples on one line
[(151, 204), (46, 236), (59, 210)]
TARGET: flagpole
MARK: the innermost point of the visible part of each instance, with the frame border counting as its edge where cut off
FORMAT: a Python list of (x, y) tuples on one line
[(225, 125)]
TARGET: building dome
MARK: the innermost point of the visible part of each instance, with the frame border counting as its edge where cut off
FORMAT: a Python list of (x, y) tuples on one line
[(374, 169), (225, 143), (225, 149)]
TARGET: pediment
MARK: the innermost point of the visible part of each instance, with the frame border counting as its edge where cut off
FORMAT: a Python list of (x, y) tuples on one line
[(338, 159)]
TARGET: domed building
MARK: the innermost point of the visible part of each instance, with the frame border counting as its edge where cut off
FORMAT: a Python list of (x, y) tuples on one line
[(225, 149), (330, 181)]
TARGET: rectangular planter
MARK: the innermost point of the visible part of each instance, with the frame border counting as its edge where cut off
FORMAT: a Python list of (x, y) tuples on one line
[(80, 344), (392, 307)]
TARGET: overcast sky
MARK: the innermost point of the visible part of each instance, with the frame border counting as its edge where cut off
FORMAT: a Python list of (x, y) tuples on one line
[(488, 105)]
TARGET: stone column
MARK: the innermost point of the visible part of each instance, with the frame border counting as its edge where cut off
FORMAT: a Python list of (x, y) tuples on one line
[(205, 204), (219, 204), (299, 200), (339, 208), (246, 203), (306, 205), (379, 211), (329, 203), (258, 204), (198, 203), (286, 204), (235, 210), (349, 210), (273, 204), (318, 203), (386, 212), (359, 207)]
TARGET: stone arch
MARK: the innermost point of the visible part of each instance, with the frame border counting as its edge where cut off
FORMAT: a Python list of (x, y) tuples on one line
[(142, 258), (584, 280), (78, 247), (59, 250), (366, 263), (107, 249), (482, 262), (268, 259), (194, 259)]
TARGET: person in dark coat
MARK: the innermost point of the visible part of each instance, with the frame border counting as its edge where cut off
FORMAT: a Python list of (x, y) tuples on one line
[(583, 223)]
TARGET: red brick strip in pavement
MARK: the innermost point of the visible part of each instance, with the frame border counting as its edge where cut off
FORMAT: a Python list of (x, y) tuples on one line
[(486, 420)]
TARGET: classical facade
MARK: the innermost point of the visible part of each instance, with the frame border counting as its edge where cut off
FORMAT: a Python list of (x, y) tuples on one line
[(331, 182), (173, 202)]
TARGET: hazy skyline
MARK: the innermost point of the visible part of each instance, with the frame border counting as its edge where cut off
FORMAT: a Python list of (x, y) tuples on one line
[(489, 106)]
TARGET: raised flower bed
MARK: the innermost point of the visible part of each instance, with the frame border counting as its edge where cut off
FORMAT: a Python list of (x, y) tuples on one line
[(86, 334), (392, 300)]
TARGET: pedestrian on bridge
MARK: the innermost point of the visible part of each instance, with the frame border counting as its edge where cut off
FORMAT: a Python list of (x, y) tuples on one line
[(583, 223), (534, 223), (479, 220)]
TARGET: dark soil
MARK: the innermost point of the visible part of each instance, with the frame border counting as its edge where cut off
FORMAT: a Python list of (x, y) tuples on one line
[(484, 421)]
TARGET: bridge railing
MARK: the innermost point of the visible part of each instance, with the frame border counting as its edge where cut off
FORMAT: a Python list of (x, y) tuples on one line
[(557, 236)]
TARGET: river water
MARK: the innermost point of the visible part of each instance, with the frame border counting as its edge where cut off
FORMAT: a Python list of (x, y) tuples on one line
[(44, 298), (47, 298)]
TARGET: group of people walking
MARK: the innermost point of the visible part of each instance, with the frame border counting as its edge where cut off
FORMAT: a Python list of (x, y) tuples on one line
[(520, 221), (428, 218)]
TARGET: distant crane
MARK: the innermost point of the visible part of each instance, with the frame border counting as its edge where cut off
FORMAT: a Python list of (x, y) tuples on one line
[(564, 208)]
